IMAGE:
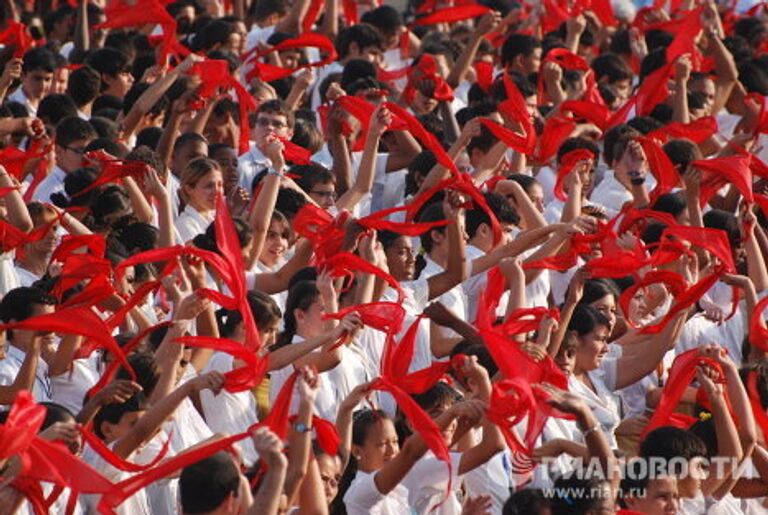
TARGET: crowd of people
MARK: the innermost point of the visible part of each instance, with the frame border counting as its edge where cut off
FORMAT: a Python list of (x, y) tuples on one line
[(321, 256)]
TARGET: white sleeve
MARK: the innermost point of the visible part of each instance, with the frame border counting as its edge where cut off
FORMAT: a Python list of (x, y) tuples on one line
[(362, 494), (610, 367)]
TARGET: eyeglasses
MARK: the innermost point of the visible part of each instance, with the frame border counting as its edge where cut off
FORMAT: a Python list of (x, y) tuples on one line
[(78, 151), (266, 122), (324, 194)]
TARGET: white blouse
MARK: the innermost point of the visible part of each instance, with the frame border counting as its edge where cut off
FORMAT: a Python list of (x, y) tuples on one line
[(192, 222)]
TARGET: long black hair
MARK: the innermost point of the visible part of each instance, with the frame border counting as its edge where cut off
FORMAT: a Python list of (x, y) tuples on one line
[(301, 296)]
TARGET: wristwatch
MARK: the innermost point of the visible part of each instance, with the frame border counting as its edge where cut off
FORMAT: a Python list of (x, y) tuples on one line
[(271, 171), (301, 427)]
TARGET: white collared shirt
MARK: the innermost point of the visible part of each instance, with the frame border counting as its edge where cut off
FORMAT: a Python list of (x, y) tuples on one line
[(20, 97), (53, 183), (11, 366), (250, 164), (192, 222)]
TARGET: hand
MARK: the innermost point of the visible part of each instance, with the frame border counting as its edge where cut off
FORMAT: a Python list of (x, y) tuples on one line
[(212, 381), (683, 68), (653, 397), (153, 185), (65, 432), (712, 311), (706, 376), (547, 324), (637, 43), (452, 206), (194, 267), (188, 62), (692, 182), (269, 447), (366, 247), (191, 307), (633, 426), (305, 78), (334, 92), (238, 201), (564, 401), (30, 126), (381, 119), (308, 385), (718, 354), (553, 73), (536, 352), (151, 74), (488, 23), (356, 396), (476, 376), (325, 284), (349, 326), (472, 129), (634, 160), (184, 104), (576, 286), (480, 505), (273, 150), (511, 268), (576, 24), (117, 392), (582, 224), (11, 71), (469, 411)]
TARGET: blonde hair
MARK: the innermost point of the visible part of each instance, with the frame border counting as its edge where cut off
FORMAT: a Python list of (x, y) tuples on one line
[(192, 173)]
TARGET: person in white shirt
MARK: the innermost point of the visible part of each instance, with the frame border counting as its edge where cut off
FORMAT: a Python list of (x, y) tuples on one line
[(73, 134), (372, 455), (273, 119), (36, 79), (201, 183), (23, 367)]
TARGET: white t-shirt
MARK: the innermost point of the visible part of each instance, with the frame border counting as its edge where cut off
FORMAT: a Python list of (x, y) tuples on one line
[(228, 412), (603, 402), (427, 482), (11, 365), (137, 504), (191, 223), (364, 498)]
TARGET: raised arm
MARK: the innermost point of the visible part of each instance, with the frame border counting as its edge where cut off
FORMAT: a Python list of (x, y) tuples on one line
[(300, 443), (162, 410), (267, 499), (16, 209), (380, 120), (486, 25), (264, 206), (456, 271), (25, 378)]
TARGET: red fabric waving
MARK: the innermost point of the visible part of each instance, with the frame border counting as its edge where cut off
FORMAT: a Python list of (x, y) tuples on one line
[(567, 163), (247, 376), (680, 376), (697, 131), (17, 36), (269, 73), (556, 129), (123, 15), (717, 172), (667, 177), (758, 333), (426, 69), (453, 14), (675, 284), (384, 316), (512, 139)]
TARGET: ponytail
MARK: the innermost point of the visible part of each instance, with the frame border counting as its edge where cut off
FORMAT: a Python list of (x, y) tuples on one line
[(301, 296)]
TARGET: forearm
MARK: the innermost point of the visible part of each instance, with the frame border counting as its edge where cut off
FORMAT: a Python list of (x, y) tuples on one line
[(330, 25), (16, 209), (756, 266), (461, 67), (450, 125), (261, 214), (572, 206), (550, 248), (278, 281), (680, 103), (62, 358), (342, 165), (364, 180), (299, 447), (288, 354), (267, 500), (82, 36), (168, 138), (142, 210)]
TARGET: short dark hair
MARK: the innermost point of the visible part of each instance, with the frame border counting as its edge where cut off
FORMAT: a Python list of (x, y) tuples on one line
[(385, 18), (55, 107), (109, 61), (279, 107), (214, 33), (18, 303), (112, 413), (311, 175), (133, 95), (577, 143), (518, 44), (73, 128), (669, 442), (611, 138), (84, 85), (104, 127), (206, 484), (362, 34), (476, 216), (39, 59), (672, 203), (264, 8)]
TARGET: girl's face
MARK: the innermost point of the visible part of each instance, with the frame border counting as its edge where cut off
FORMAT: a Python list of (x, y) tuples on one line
[(330, 474), (450, 430), (592, 348), (276, 243), (202, 195), (125, 286), (380, 446), (637, 308), (536, 194), (607, 307), (49, 242), (401, 259), (310, 322), (423, 104), (566, 360), (268, 335)]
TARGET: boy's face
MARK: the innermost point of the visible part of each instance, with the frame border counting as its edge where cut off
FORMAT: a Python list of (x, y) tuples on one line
[(660, 498), (37, 83), (191, 150), (271, 123), (114, 432), (70, 158)]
